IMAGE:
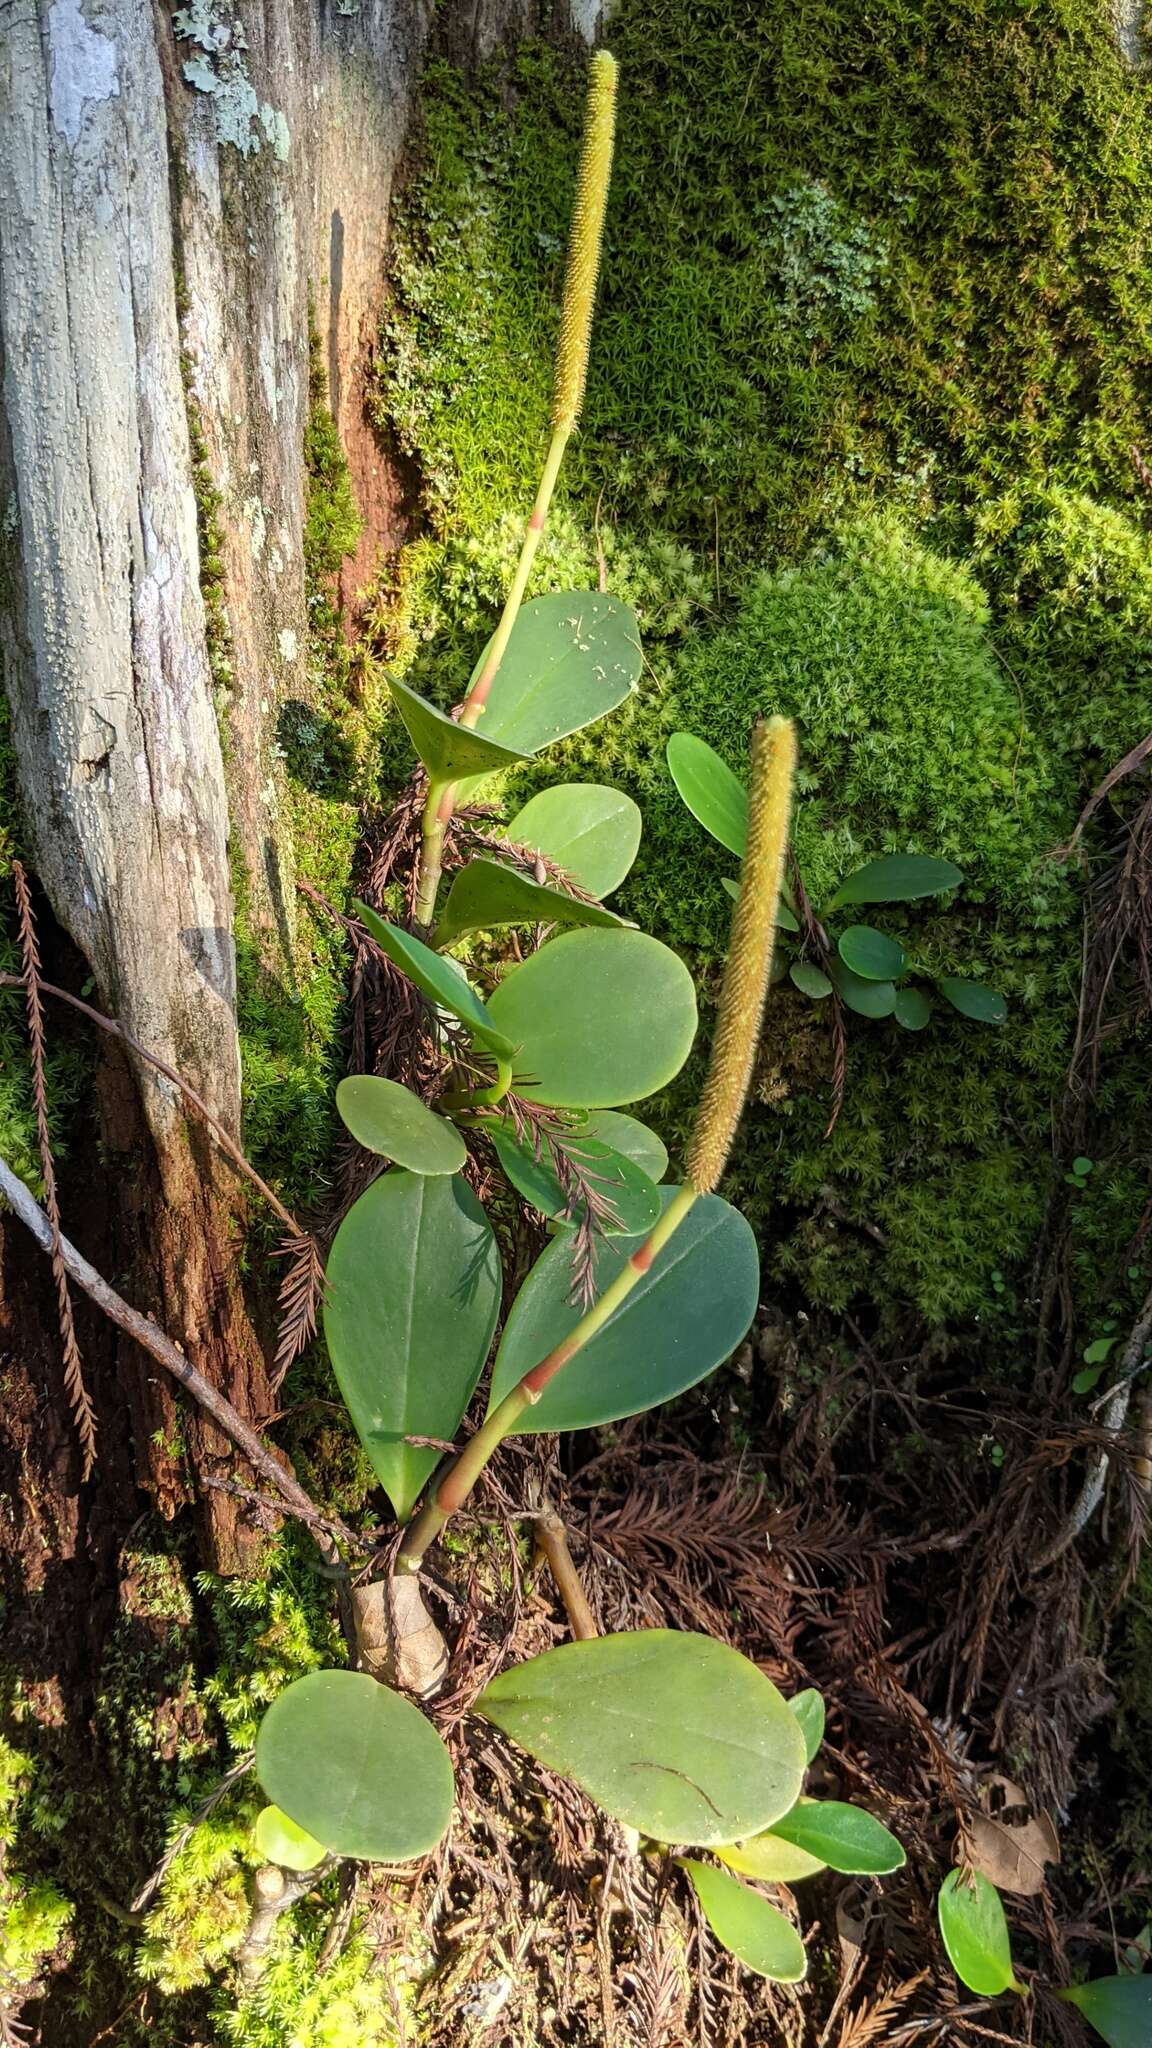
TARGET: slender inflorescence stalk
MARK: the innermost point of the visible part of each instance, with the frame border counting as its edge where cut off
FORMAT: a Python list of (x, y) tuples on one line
[(737, 1035), (567, 401)]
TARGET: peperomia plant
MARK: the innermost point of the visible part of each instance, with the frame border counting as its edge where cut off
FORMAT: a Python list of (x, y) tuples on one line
[(643, 1289), (869, 970)]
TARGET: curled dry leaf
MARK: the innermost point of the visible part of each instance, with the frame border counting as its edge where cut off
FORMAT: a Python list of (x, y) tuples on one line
[(1008, 1843)]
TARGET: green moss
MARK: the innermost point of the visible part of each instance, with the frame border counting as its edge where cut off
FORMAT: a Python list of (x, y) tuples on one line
[(364, 1999), (34, 1914)]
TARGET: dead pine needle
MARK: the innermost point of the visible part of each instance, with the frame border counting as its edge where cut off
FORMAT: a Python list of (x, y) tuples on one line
[(83, 1412)]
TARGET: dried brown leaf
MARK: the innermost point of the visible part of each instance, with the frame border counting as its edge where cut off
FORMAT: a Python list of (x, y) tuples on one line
[(1008, 1843)]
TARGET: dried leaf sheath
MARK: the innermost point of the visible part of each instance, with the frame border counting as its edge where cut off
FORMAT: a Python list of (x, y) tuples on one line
[(82, 1409), (741, 1009)]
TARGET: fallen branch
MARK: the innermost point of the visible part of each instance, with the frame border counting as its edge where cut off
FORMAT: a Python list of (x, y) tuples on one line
[(153, 1339)]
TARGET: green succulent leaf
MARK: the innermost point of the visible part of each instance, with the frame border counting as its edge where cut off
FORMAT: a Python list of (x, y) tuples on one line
[(1119, 2008), (808, 1707), (898, 878), (866, 998), (871, 954), (448, 750), (413, 1292), (487, 894), (770, 1859), (388, 1119), (627, 1135), (593, 833), (913, 1009), (635, 1199), (972, 999), (810, 980), (674, 1734), (715, 796), (744, 1923), (682, 1319), (597, 1018), (280, 1841), (356, 1766), (844, 1837), (438, 979), (975, 1934), (573, 656)]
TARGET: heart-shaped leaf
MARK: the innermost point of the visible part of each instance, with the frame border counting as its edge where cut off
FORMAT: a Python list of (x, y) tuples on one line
[(844, 1837), (913, 1009), (866, 998), (808, 1708), (486, 894), (747, 1926), (633, 1198), (898, 878), (597, 1018), (573, 656), (715, 796), (448, 750), (676, 1735), (785, 919), (770, 1858), (280, 1841), (972, 999), (357, 1766), (591, 832), (413, 1292), (976, 1934), (438, 979), (633, 1139), (1119, 2008), (682, 1319), (871, 954), (809, 980), (388, 1119)]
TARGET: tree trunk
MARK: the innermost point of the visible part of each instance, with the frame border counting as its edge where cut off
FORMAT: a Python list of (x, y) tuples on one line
[(178, 188)]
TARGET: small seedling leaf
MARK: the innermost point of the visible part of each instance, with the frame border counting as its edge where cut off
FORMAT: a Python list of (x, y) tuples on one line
[(388, 1119), (973, 999), (715, 796), (280, 1841), (598, 1019), (744, 1923), (591, 832), (808, 1707), (810, 980), (871, 954), (674, 1734), (844, 1837), (975, 1934), (357, 1766), (913, 1009), (898, 878), (866, 998)]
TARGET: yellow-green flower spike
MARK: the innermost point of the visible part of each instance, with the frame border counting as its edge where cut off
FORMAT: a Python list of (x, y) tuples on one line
[(584, 244), (741, 1010)]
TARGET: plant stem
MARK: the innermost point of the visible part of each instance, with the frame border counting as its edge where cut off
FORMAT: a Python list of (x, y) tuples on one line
[(453, 1489), (552, 1542), (441, 798)]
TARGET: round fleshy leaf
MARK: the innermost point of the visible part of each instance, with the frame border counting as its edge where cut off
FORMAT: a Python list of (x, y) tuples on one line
[(770, 1859), (715, 796), (573, 656), (976, 1934), (972, 999), (438, 979), (810, 980), (844, 1837), (913, 1009), (447, 749), (634, 1198), (486, 895), (1119, 2008), (388, 1119), (413, 1292), (681, 1320), (744, 1923), (593, 833), (866, 998), (357, 1766), (808, 1708), (674, 1734), (898, 878), (280, 1841), (597, 1019), (625, 1134), (871, 954)]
